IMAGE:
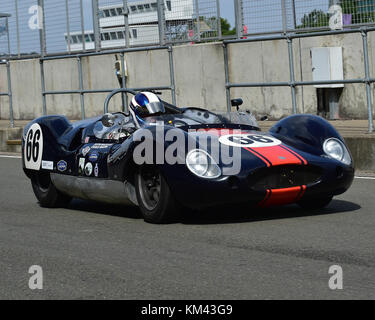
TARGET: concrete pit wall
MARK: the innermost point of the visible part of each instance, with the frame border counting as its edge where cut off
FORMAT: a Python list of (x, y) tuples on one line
[(199, 76)]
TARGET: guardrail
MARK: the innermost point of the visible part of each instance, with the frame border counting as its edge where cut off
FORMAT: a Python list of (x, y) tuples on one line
[(292, 83), (367, 80), (81, 91), (9, 92)]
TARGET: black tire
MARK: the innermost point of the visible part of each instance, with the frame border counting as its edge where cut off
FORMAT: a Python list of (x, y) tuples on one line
[(154, 196), (315, 203), (46, 193)]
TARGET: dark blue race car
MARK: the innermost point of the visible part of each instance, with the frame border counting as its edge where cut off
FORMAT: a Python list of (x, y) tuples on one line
[(161, 158)]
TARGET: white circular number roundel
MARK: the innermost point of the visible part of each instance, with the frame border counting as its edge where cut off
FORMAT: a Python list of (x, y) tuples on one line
[(33, 147), (249, 140)]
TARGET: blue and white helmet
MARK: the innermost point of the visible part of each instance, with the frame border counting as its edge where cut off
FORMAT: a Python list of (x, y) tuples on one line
[(146, 104)]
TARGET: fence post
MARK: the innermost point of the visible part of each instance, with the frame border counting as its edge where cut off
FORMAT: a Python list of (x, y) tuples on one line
[(82, 25), (198, 20), (126, 23), (81, 87), (43, 83), (68, 26), (171, 74), (161, 20), (42, 30), (283, 12), (95, 19), (238, 10), (7, 30), (367, 80), (218, 17), (226, 69), (17, 30), (294, 14), (125, 100), (10, 95), (292, 75)]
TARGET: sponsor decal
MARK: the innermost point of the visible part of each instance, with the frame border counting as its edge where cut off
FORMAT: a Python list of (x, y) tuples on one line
[(93, 157), (33, 150), (88, 169), (96, 170), (102, 145), (62, 166), (81, 166), (85, 151), (249, 141), (47, 165), (87, 139)]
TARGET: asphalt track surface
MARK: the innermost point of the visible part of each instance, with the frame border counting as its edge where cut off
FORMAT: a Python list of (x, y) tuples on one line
[(95, 251)]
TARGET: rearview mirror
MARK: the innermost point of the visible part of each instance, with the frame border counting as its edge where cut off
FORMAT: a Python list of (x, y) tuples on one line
[(237, 103)]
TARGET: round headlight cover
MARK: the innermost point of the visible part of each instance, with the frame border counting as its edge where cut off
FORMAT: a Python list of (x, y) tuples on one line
[(335, 149), (201, 164)]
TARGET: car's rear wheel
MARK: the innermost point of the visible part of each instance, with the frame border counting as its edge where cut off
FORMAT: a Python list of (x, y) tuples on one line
[(154, 196), (46, 192), (315, 203)]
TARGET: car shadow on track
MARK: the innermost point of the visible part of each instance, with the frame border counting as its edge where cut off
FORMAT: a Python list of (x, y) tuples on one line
[(222, 215), (130, 211), (240, 214)]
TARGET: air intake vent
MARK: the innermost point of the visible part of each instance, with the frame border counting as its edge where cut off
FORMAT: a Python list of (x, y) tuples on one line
[(282, 177)]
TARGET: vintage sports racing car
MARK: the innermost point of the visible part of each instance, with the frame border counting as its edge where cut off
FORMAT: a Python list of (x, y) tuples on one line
[(302, 159)]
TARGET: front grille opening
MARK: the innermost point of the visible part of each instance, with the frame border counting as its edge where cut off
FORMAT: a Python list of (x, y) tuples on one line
[(282, 177)]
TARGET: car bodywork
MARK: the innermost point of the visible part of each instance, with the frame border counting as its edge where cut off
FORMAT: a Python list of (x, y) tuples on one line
[(286, 165)]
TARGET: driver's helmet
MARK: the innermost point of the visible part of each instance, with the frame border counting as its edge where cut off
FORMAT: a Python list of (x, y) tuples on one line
[(146, 104)]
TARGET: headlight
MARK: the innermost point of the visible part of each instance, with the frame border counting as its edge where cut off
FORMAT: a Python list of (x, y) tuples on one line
[(201, 164), (337, 150)]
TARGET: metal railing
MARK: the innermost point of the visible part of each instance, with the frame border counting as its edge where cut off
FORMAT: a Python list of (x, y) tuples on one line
[(82, 91), (4, 25), (45, 27), (292, 83), (83, 30), (8, 93)]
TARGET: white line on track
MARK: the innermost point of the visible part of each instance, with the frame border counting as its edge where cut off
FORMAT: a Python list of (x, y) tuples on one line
[(19, 157), (10, 157), (366, 178)]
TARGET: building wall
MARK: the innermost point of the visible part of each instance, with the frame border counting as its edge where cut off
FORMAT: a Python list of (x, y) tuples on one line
[(199, 76)]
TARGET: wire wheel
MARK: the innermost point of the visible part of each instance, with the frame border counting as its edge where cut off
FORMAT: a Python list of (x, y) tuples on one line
[(150, 187)]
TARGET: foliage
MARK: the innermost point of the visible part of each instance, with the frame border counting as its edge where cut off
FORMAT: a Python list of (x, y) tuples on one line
[(226, 28), (319, 18)]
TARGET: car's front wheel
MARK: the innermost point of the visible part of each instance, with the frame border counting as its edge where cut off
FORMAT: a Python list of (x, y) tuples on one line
[(315, 203), (154, 196), (46, 192)]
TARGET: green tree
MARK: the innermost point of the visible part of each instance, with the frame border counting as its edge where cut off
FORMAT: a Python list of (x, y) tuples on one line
[(226, 28), (315, 19), (360, 14), (319, 18)]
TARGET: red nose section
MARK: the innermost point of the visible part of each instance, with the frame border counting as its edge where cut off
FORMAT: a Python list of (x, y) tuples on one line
[(281, 197)]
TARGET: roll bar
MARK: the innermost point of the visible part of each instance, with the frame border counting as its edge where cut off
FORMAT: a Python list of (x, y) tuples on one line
[(131, 91), (113, 93)]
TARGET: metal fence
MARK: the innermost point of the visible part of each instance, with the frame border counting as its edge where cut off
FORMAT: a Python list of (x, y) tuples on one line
[(367, 80), (46, 28), (82, 91)]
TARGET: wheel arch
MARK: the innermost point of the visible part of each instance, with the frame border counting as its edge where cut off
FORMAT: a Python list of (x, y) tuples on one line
[(305, 132)]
